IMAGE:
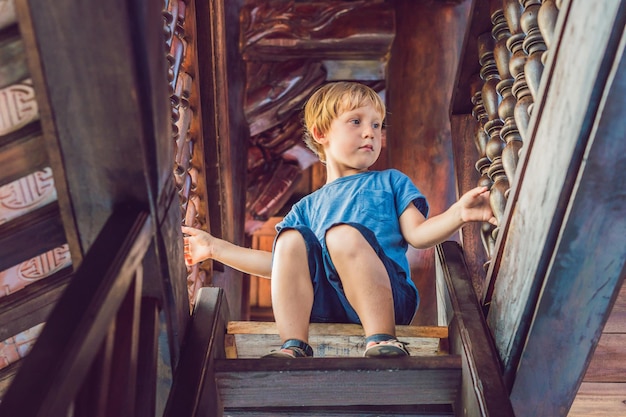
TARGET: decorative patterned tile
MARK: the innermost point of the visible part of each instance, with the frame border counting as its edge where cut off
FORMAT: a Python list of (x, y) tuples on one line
[(18, 346), (18, 106), (26, 194), (34, 269)]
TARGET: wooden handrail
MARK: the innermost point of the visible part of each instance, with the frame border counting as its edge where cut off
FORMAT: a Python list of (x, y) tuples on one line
[(193, 390), (79, 323), (483, 392)]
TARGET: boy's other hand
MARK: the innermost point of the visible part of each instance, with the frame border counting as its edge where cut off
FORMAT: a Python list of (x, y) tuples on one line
[(475, 206), (197, 245)]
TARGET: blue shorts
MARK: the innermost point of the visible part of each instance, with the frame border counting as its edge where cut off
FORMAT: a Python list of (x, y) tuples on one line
[(330, 304)]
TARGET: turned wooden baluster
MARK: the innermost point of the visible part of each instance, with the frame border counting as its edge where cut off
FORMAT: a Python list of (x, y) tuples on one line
[(497, 196), (491, 102), (534, 46), (482, 165), (546, 19), (512, 13), (509, 132)]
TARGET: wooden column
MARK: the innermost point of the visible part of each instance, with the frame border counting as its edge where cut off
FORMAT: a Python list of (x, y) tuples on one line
[(422, 70)]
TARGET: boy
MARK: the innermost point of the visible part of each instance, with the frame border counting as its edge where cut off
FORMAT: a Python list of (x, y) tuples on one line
[(340, 253)]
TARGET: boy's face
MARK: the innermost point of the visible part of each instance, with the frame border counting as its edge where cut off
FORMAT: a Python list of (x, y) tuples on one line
[(353, 141)]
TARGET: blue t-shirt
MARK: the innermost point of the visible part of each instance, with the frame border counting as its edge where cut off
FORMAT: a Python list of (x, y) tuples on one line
[(375, 199)]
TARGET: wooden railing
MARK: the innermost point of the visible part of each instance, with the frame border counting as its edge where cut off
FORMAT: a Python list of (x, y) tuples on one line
[(86, 358)]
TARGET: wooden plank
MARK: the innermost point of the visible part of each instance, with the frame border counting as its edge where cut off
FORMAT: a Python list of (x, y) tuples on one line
[(13, 66), (587, 267), (255, 339), (334, 329), (326, 346), (80, 321), (483, 392), (193, 391), (596, 399), (422, 69), (437, 410), (609, 360), (571, 87), (22, 156), (30, 235), (322, 382), (32, 305), (98, 159)]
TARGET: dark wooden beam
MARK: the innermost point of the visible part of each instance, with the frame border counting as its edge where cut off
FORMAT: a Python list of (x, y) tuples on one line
[(588, 264)]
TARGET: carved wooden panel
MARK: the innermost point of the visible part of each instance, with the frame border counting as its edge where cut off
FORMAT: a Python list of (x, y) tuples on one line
[(180, 47), (280, 30)]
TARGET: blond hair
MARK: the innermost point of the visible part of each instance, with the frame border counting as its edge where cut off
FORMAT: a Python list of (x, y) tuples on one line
[(329, 102)]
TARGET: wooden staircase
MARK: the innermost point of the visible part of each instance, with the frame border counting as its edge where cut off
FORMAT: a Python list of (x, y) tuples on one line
[(452, 370)]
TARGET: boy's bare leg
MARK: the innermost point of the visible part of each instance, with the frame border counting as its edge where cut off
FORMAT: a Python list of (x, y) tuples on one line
[(292, 290), (364, 278)]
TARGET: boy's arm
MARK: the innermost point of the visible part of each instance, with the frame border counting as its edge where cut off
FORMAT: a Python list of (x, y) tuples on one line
[(200, 245), (424, 233)]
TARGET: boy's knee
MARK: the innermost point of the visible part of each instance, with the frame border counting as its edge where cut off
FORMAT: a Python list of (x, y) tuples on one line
[(344, 238), (290, 241)]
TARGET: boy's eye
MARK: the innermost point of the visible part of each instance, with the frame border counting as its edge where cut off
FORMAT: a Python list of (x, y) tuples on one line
[(355, 121), (376, 125)]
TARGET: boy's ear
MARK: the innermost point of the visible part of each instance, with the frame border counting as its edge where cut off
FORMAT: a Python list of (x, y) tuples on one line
[(318, 135)]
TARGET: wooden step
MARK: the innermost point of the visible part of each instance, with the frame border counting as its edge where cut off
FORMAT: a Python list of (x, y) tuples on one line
[(246, 339), (337, 382)]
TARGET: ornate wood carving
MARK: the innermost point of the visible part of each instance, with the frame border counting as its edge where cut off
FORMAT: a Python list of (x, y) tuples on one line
[(281, 30), (179, 32)]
